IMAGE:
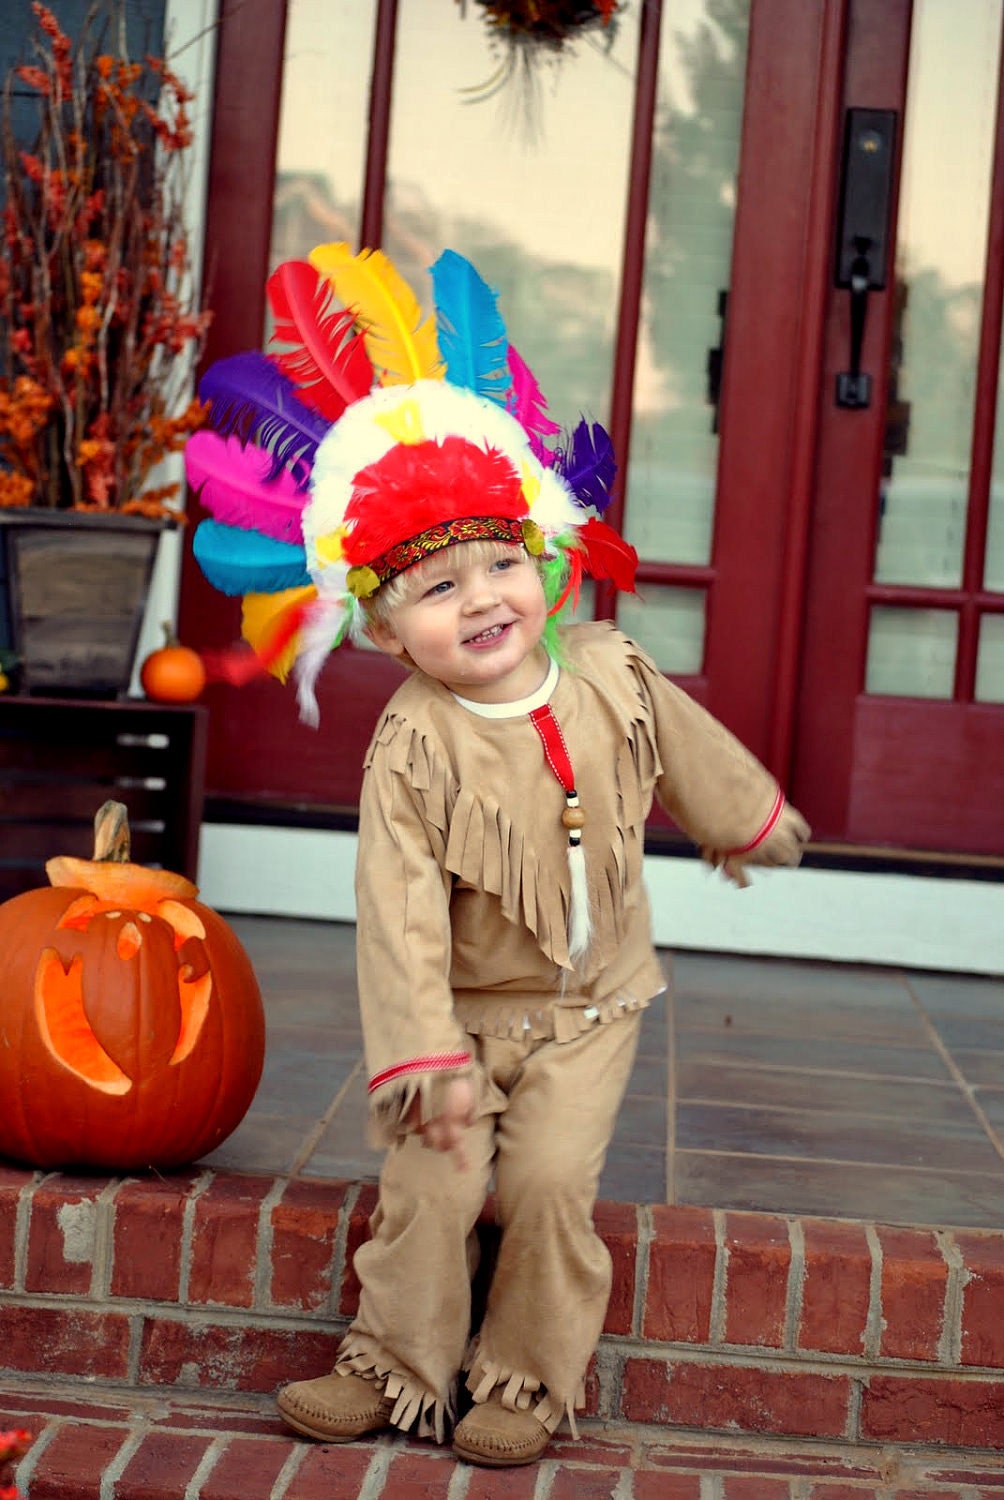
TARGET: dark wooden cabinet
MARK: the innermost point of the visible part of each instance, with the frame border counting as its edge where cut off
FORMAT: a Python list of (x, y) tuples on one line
[(60, 759)]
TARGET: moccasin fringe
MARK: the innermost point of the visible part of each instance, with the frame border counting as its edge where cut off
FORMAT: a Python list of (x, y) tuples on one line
[(415, 1409)]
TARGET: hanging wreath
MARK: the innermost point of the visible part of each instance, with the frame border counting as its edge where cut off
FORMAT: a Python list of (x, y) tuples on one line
[(528, 29)]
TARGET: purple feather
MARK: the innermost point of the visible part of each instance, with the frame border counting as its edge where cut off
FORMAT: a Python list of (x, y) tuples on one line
[(253, 400), (587, 464)]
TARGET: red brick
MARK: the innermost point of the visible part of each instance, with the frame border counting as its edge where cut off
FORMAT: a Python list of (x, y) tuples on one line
[(304, 1225), (65, 1341), (74, 1462), (662, 1486), (225, 1241), (29, 1411), (756, 1281), (735, 1397), (146, 1241), (418, 1475), (359, 1233), (836, 1492), (12, 1184), (334, 1473), (905, 1409), (744, 1487), (836, 1288), (513, 1484), (231, 1358), (163, 1464), (681, 1276), (590, 1448), (617, 1226), (570, 1483), (983, 1299), (909, 1495), (62, 1235), (247, 1467), (914, 1278), (592, 1386)]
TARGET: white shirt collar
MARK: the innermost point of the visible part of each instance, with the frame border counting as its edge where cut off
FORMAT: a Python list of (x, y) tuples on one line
[(520, 705)]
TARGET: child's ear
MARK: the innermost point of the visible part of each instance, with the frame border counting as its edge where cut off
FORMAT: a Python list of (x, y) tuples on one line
[(381, 633)]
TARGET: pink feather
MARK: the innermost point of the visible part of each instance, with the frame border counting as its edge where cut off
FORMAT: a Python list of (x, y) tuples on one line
[(231, 479), (527, 404)]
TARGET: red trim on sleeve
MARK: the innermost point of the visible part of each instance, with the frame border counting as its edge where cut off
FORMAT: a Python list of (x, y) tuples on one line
[(436, 1062), (773, 818)]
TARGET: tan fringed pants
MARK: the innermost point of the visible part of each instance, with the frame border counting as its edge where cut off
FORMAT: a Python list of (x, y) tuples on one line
[(547, 1115)]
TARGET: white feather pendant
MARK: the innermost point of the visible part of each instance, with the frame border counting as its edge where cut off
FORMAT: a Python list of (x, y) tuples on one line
[(580, 922)]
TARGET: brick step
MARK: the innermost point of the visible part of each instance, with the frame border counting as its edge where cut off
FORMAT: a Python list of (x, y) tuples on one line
[(108, 1445), (213, 1284)]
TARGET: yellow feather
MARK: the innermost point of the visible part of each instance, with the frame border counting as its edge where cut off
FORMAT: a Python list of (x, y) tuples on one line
[(401, 347), (262, 615)]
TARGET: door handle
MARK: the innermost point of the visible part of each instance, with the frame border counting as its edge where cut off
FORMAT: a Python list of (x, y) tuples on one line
[(863, 231), (854, 388)]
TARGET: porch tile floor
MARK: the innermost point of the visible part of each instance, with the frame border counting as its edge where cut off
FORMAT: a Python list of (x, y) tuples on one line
[(785, 1086)]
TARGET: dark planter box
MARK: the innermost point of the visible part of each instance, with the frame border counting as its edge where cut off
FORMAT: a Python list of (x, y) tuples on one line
[(74, 589)]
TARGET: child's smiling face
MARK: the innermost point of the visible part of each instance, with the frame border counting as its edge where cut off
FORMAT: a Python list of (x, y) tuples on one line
[(473, 620)]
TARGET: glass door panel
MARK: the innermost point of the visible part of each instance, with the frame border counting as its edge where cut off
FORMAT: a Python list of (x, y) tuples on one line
[(530, 182), (674, 442), (669, 623), (911, 652), (321, 150)]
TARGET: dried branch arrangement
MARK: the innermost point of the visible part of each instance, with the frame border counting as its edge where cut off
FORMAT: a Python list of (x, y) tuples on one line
[(99, 326)]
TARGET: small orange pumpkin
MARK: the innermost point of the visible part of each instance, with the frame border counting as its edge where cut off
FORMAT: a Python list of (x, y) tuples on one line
[(173, 673), (132, 1032)]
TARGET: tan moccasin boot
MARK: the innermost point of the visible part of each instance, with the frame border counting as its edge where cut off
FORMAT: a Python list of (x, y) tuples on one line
[(335, 1408), (497, 1438)]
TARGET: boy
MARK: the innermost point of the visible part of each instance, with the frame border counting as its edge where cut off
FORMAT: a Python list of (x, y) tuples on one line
[(504, 951)]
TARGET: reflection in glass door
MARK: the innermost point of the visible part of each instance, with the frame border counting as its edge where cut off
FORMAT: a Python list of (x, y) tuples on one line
[(674, 437), (944, 212)]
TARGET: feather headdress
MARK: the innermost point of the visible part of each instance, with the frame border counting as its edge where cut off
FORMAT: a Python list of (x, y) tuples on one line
[(372, 433)]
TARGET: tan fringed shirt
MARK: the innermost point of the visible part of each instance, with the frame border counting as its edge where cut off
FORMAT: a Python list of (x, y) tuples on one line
[(462, 882)]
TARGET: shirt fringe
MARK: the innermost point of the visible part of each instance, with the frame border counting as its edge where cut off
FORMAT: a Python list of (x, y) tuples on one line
[(548, 1022)]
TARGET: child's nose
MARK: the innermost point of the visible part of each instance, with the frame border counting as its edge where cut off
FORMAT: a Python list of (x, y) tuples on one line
[(481, 594)]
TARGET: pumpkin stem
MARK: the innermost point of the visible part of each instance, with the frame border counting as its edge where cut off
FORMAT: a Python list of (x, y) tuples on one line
[(111, 833)]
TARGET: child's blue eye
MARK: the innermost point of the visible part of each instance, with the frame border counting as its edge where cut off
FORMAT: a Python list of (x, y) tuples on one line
[(442, 587), (503, 563)]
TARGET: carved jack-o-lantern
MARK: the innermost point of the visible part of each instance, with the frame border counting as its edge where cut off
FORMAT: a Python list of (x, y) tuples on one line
[(131, 1025)]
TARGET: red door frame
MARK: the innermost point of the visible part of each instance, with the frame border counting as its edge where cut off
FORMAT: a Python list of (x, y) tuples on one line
[(781, 268), (781, 539), (926, 775)]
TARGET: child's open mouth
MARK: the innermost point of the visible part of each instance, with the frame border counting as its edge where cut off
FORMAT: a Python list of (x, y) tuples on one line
[(486, 637)]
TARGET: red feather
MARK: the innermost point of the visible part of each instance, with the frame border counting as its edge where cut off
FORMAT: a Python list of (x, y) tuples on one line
[(608, 555), (240, 664), (328, 358)]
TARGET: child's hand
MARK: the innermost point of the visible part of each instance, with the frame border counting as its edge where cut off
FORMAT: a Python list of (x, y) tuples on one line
[(445, 1131), (783, 846)]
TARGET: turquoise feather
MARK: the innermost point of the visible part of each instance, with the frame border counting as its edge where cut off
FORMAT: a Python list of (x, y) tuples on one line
[(247, 562), (469, 326)]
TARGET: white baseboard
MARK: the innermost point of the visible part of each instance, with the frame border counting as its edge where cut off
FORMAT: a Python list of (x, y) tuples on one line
[(913, 921)]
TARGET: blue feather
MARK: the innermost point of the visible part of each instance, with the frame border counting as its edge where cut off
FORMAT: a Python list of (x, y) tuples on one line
[(588, 466), (246, 562), (472, 336), (252, 399)]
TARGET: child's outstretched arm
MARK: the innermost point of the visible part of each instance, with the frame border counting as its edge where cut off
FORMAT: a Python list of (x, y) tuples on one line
[(716, 790)]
